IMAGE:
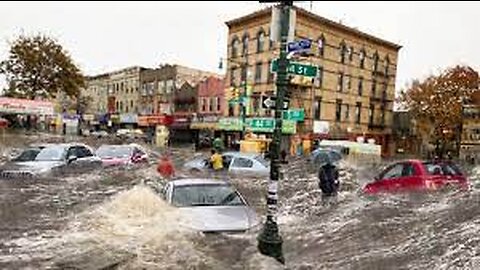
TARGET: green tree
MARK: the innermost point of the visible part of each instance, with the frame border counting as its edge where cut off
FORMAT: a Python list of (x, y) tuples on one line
[(436, 104), (37, 66)]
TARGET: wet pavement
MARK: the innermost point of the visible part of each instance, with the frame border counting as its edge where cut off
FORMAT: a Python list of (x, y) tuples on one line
[(110, 219)]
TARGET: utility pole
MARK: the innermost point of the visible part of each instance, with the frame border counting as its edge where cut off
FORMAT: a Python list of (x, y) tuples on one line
[(269, 240)]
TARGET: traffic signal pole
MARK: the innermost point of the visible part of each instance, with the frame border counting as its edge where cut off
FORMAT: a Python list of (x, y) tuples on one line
[(269, 240)]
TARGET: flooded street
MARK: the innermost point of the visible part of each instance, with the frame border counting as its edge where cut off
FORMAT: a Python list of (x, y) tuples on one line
[(113, 219)]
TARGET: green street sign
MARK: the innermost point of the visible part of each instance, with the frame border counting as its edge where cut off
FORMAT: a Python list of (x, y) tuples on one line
[(297, 69), (294, 115), (265, 125), (230, 124)]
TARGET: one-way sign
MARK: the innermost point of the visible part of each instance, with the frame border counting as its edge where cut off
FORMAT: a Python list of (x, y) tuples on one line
[(269, 103)]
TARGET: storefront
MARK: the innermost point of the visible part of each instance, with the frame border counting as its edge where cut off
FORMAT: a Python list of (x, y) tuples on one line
[(128, 120), (180, 131), (25, 113)]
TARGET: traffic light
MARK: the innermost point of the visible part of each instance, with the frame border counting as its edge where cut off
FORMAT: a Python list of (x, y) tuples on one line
[(235, 94)]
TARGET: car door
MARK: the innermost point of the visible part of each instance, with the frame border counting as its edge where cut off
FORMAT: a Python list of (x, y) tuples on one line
[(85, 158), (242, 166), (410, 179)]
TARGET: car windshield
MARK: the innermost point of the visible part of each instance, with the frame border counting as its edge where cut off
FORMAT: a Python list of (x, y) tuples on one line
[(114, 151), (51, 153), (205, 195), (262, 161)]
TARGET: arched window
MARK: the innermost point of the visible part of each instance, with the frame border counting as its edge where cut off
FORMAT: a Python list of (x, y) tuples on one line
[(362, 58), (375, 62), (343, 52), (321, 45), (260, 41), (235, 47), (387, 64), (245, 45)]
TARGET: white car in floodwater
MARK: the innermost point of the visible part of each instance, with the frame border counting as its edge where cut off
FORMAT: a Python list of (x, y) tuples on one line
[(210, 205), (236, 163)]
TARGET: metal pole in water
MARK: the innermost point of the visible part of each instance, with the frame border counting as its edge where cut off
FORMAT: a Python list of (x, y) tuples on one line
[(269, 240)]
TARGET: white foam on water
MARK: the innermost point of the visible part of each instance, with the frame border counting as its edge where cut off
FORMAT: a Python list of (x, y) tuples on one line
[(136, 228)]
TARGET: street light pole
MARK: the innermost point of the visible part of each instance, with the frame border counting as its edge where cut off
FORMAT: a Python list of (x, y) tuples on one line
[(269, 240)]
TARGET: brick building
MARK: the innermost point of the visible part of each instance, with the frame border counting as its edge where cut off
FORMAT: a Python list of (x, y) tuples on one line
[(353, 92)]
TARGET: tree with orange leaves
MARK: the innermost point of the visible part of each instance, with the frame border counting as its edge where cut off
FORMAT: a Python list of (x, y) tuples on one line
[(436, 104)]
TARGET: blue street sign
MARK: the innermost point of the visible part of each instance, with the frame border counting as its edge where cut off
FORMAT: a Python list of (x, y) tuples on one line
[(300, 45)]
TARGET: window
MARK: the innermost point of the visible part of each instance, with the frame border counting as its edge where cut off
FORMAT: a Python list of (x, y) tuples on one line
[(131, 103), (219, 107), (82, 152), (317, 108), (348, 80), (231, 109), (382, 115), (347, 112), (242, 163), (319, 80), (340, 82), (235, 45), (260, 41), (343, 51), (362, 58), (350, 53), (360, 86), (358, 112), (338, 111), (258, 72), (321, 45), (245, 45), (375, 62), (243, 75), (169, 86), (271, 75), (393, 172), (204, 104), (211, 105), (371, 113), (387, 63), (374, 87), (232, 77), (126, 107)]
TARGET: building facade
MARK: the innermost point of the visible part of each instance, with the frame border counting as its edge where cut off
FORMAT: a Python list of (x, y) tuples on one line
[(353, 93), (470, 141)]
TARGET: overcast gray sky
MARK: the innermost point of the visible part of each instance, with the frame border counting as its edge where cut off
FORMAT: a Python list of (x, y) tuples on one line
[(103, 36)]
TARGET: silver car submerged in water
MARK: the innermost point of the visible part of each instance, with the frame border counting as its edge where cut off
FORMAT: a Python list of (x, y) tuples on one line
[(51, 160), (236, 163), (210, 205)]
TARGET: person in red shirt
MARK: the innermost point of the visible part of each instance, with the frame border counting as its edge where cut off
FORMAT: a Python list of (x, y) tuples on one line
[(165, 167)]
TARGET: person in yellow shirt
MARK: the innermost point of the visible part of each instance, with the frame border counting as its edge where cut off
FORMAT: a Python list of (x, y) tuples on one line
[(217, 161)]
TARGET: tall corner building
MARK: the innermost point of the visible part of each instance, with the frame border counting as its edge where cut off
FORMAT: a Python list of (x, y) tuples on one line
[(353, 93)]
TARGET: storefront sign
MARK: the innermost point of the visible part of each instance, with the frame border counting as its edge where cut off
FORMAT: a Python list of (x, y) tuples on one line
[(153, 120), (88, 117), (25, 106), (128, 118), (321, 127)]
